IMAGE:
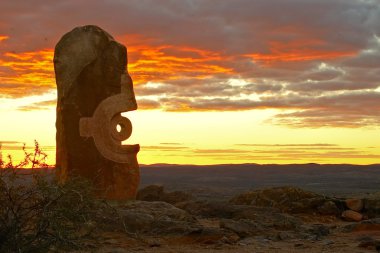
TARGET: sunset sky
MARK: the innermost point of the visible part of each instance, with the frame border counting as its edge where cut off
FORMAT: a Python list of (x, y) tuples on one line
[(216, 81)]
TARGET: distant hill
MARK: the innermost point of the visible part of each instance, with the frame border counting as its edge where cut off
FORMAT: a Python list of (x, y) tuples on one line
[(227, 179)]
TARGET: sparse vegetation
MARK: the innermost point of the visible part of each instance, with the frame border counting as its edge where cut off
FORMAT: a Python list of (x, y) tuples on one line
[(37, 214)]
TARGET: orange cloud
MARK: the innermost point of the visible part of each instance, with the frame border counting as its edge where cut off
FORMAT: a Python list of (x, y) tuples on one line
[(26, 73), (20, 71), (3, 37), (162, 63), (298, 50), (149, 61)]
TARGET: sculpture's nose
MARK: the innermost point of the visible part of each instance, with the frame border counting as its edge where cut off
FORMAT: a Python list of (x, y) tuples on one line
[(127, 89)]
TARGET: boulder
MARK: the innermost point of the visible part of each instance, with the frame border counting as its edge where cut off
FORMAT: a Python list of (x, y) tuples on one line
[(365, 225), (271, 226), (111, 249), (369, 243), (257, 213), (350, 215), (267, 217), (287, 199), (318, 230), (260, 216), (282, 221), (150, 193), (372, 207), (176, 197), (157, 218), (354, 204), (242, 228), (157, 193), (214, 235), (209, 208), (329, 208)]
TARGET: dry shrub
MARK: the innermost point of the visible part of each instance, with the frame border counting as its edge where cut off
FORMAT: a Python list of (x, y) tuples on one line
[(39, 215)]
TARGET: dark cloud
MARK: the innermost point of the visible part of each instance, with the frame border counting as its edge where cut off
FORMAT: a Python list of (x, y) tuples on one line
[(368, 57), (325, 118), (322, 74), (340, 110), (318, 87), (235, 26), (259, 88), (147, 104), (356, 109)]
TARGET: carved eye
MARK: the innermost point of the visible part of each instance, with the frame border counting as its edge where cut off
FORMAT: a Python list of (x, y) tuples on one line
[(121, 128)]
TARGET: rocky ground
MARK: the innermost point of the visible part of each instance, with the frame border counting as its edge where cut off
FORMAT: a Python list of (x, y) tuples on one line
[(280, 219)]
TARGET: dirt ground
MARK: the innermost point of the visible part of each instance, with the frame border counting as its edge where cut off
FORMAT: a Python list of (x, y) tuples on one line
[(340, 242), (337, 241)]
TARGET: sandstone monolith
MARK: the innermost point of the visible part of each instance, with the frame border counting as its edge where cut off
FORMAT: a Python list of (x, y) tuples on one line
[(94, 87)]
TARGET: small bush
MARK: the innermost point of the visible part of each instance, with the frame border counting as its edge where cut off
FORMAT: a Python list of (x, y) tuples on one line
[(37, 214)]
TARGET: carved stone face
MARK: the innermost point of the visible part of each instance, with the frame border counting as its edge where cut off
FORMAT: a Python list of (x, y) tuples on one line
[(107, 126), (94, 87)]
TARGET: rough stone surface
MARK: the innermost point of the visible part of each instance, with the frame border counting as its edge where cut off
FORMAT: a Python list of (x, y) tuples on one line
[(319, 230), (242, 228), (287, 199), (365, 225), (372, 207), (150, 193), (267, 217), (157, 218), (369, 243), (215, 235), (211, 208), (176, 197), (350, 215), (90, 67), (270, 225), (329, 208), (157, 193), (354, 204)]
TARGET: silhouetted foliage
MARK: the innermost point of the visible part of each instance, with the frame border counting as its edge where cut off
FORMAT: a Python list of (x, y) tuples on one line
[(38, 214)]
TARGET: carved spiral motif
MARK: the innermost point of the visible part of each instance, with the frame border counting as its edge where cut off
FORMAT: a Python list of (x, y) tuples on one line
[(102, 126)]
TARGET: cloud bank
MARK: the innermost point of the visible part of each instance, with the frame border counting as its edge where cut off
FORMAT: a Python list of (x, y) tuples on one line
[(316, 61)]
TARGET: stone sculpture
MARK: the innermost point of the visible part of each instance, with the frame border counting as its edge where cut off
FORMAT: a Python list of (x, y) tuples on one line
[(94, 87)]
